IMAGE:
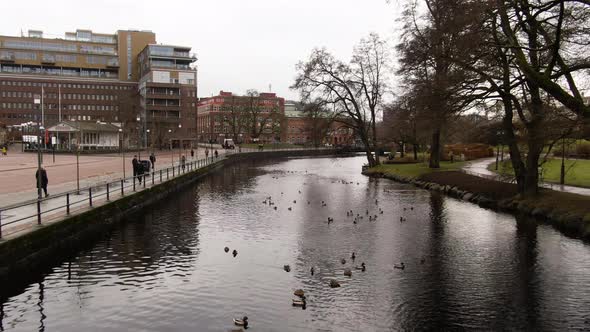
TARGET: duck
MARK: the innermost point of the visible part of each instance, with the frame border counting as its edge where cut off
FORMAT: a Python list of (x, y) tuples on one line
[(275, 208), (353, 256), (362, 267), (235, 252), (343, 261), (367, 212), (299, 302), (412, 208), (334, 283), (287, 268), (348, 273), (354, 221), (299, 292), (241, 322), (289, 209), (308, 203), (294, 201), (226, 249), (401, 266), (312, 270)]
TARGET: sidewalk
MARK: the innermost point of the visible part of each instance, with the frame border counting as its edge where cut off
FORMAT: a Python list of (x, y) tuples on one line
[(480, 168), (17, 171)]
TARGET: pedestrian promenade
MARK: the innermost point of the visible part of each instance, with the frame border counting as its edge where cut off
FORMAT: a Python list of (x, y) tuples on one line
[(24, 212)]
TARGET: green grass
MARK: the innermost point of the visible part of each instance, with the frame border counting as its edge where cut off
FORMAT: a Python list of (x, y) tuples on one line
[(577, 171), (415, 170)]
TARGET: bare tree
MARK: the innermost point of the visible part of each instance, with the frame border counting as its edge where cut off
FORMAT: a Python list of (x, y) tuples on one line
[(319, 119), (355, 90)]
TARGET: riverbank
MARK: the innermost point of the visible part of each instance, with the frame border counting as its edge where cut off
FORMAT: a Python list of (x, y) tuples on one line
[(570, 213), (577, 171)]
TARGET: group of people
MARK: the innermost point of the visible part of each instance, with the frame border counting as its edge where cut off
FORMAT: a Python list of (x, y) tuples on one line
[(140, 168), (207, 153)]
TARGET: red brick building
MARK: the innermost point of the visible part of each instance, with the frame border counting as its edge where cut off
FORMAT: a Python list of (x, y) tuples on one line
[(250, 118), (302, 129)]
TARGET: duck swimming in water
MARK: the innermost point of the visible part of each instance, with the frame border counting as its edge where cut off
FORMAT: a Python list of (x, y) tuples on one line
[(235, 252), (401, 266), (226, 249), (312, 270), (343, 261), (287, 268), (241, 322)]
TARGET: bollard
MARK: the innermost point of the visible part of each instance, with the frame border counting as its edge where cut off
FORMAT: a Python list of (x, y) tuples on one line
[(38, 212), (108, 192), (68, 203), (167, 174), (122, 189), (90, 196), (134, 183), (160, 176), (153, 174), (173, 168), (144, 180)]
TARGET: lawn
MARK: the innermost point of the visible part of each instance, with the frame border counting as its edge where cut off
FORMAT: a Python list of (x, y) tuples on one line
[(577, 172), (415, 170)]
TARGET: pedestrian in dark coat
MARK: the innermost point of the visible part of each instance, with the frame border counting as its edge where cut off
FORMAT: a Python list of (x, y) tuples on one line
[(216, 154), (136, 167), (153, 161), (183, 162), (192, 154), (44, 181)]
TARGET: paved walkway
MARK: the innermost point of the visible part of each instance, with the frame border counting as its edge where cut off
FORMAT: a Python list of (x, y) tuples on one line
[(480, 168)]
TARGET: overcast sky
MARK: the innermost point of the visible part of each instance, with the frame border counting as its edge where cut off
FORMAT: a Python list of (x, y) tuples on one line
[(241, 44)]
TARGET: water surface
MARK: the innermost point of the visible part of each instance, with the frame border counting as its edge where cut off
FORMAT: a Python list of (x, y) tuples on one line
[(166, 270)]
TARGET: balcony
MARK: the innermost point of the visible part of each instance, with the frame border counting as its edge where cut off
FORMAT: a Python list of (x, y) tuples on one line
[(152, 106)]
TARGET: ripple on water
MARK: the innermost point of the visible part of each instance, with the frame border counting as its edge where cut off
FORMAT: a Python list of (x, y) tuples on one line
[(166, 269)]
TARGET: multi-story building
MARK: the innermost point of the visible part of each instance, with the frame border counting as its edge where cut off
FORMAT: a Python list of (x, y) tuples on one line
[(316, 129), (88, 76), (257, 117)]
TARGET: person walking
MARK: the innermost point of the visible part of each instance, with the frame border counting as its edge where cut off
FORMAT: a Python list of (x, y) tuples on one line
[(206, 152), (192, 154), (43, 181), (216, 154), (183, 162), (135, 164), (153, 161), (4, 150)]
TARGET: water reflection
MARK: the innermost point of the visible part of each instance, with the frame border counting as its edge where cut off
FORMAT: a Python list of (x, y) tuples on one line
[(466, 267)]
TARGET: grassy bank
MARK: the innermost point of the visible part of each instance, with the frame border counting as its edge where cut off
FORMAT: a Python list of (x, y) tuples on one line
[(414, 170), (577, 171), (567, 212)]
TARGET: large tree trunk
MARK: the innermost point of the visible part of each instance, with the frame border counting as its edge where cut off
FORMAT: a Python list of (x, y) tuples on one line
[(435, 149), (402, 145), (415, 148)]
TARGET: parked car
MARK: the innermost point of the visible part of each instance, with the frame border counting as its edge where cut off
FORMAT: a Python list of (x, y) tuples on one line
[(228, 143)]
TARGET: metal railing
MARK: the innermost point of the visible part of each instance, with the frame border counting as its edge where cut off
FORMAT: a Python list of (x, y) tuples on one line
[(24, 215)]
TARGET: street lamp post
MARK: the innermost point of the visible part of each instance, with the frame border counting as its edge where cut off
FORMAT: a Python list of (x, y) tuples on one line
[(147, 139), (179, 142), (139, 132), (121, 148), (37, 102), (170, 143)]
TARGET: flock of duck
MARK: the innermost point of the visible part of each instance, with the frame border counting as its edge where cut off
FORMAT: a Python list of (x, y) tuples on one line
[(301, 300)]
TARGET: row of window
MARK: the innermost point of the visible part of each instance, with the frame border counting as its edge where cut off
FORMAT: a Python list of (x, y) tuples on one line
[(65, 96), (67, 85), (34, 116), (75, 107)]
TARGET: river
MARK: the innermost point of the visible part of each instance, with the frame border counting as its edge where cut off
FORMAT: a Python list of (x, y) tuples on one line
[(166, 269)]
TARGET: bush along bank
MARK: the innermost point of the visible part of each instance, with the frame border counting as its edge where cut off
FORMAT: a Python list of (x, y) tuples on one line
[(569, 213)]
